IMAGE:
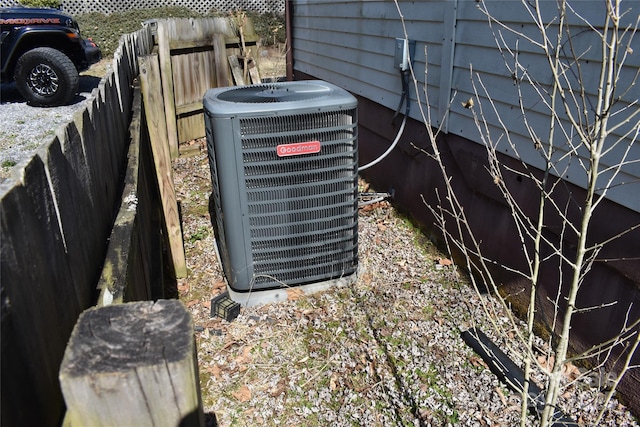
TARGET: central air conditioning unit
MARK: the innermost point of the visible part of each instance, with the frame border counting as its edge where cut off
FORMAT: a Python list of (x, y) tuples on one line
[(284, 167)]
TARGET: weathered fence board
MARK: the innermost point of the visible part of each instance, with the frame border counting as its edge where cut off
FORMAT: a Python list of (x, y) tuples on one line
[(75, 216), (150, 83), (83, 202), (193, 73), (220, 56), (132, 364), (236, 70), (35, 295), (167, 87), (234, 47)]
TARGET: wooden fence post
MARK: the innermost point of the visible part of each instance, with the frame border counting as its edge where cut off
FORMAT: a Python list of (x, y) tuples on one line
[(132, 364), (220, 54), (168, 101)]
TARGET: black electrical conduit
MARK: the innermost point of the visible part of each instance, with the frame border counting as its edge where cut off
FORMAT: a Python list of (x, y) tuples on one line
[(509, 373)]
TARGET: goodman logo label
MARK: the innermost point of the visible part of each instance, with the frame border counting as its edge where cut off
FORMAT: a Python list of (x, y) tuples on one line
[(298, 148)]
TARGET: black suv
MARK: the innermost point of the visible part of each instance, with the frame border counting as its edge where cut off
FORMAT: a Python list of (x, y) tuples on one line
[(43, 51)]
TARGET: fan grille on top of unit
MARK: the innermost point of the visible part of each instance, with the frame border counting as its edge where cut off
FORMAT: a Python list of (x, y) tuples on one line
[(267, 93)]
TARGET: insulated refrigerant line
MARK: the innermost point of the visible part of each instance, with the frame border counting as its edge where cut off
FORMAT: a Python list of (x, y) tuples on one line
[(404, 99)]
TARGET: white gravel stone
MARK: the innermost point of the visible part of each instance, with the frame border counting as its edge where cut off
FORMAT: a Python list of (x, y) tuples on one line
[(24, 129)]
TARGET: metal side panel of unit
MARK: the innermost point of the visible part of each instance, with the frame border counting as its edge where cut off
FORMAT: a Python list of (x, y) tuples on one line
[(225, 161)]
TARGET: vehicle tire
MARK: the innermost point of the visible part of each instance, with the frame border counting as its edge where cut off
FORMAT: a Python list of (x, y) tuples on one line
[(46, 77)]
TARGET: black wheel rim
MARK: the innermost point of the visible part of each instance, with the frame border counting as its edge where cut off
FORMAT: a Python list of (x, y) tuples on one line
[(43, 80)]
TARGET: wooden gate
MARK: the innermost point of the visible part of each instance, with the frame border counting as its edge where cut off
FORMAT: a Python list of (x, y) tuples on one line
[(195, 55)]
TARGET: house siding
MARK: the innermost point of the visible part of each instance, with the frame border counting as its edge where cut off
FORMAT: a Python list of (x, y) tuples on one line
[(351, 44)]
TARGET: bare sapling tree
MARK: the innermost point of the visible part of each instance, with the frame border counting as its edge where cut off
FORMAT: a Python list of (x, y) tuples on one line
[(580, 114)]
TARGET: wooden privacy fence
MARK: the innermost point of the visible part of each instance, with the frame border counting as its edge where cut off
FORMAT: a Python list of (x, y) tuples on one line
[(91, 220), (56, 216)]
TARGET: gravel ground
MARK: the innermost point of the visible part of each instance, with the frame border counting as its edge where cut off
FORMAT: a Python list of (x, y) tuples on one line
[(384, 351), (24, 129)]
